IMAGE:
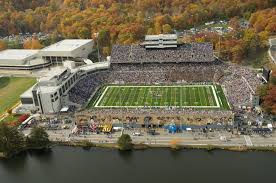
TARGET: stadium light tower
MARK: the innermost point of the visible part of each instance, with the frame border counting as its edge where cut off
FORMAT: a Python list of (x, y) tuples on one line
[(96, 35)]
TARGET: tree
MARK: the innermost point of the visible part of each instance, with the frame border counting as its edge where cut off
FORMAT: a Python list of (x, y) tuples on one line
[(106, 51), (104, 41), (234, 23), (38, 138), (125, 142), (32, 44), (263, 38), (104, 38), (262, 90), (150, 31), (36, 44), (270, 100), (166, 29), (237, 53), (273, 79), (15, 44), (3, 45), (11, 140), (84, 33)]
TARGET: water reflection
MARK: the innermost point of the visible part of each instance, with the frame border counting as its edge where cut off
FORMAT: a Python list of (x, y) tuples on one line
[(15, 164), (43, 155), (126, 155), (71, 165), (175, 153)]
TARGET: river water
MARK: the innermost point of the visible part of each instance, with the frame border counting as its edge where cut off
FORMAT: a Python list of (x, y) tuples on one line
[(97, 165)]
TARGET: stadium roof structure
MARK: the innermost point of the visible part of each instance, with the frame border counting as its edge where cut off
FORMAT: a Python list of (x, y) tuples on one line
[(17, 57), (17, 54), (67, 45), (193, 52), (160, 41), (54, 74), (68, 48), (161, 36)]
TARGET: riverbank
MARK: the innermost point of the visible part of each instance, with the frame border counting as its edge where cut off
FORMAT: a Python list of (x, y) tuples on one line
[(142, 146)]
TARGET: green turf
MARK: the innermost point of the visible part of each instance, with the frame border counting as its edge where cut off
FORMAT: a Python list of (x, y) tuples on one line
[(223, 100), (10, 90), (10, 118), (181, 96)]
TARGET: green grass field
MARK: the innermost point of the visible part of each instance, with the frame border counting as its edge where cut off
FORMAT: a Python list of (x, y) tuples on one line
[(10, 90), (182, 96)]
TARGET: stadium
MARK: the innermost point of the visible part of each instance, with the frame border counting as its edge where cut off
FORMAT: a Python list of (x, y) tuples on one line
[(158, 79), (165, 81)]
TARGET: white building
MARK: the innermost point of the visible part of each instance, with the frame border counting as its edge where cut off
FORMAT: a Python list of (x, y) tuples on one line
[(68, 49), (50, 93), (20, 59), (76, 50)]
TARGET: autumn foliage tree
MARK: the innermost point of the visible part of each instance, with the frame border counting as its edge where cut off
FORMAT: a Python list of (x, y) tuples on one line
[(32, 44), (264, 20), (269, 102), (80, 18), (3, 45)]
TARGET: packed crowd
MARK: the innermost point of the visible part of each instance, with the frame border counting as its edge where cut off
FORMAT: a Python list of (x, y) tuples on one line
[(165, 73), (83, 90), (194, 52), (240, 84)]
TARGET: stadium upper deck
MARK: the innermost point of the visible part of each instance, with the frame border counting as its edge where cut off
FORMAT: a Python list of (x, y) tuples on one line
[(192, 52)]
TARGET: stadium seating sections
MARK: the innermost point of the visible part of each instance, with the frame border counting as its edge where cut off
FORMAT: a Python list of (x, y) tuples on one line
[(194, 52), (135, 64)]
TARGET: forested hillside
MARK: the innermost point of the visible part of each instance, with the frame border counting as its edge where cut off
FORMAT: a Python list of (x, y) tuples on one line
[(127, 20)]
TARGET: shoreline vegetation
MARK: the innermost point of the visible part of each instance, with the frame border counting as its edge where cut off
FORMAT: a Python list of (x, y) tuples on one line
[(206, 147), (88, 145)]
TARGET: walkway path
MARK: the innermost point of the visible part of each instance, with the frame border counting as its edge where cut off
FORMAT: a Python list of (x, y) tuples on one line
[(248, 140)]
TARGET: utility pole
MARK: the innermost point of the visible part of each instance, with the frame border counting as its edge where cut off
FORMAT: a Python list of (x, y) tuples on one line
[(98, 51), (219, 46), (98, 47)]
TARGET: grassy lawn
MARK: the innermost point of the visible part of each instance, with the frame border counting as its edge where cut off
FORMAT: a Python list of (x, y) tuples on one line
[(181, 96), (10, 90), (10, 118)]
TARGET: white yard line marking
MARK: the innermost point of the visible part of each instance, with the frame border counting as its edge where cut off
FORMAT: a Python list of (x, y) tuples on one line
[(155, 106), (100, 99), (156, 86), (215, 95)]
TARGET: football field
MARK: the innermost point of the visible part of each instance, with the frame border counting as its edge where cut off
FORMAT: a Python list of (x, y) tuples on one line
[(157, 96)]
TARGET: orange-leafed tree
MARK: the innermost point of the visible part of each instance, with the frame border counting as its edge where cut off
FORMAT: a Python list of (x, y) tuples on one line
[(3, 45), (269, 102), (32, 44)]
